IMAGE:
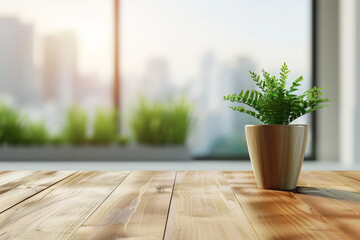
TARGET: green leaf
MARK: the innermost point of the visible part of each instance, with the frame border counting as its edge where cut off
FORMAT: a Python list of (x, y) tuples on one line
[(274, 104)]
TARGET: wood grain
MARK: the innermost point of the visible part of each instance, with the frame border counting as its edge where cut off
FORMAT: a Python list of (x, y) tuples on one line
[(330, 195), (353, 174), (9, 176), (348, 178), (58, 211), (204, 207), (183, 205), (279, 214), (18, 188), (137, 209)]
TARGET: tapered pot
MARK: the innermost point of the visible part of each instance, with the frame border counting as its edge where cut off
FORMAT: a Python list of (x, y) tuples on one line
[(276, 153)]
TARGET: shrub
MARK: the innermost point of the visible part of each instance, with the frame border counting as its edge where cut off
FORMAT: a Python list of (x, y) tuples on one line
[(161, 123), (105, 126), (121, 140), (58, 139), (11, 126), (35, 133), (75, 128)]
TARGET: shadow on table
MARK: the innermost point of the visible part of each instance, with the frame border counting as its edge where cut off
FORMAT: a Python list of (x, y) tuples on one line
[(329, 193)]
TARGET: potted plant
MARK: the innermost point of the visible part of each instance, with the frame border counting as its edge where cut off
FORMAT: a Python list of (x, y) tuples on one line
[(277, 148)]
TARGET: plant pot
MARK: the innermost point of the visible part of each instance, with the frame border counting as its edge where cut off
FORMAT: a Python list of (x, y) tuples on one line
[(276, 153)]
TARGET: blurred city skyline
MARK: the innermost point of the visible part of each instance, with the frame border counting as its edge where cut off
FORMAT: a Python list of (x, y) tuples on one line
[(195, 27), (60, 55)]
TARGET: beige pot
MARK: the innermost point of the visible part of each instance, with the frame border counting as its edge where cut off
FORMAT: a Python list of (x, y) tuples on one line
[(276, 153)]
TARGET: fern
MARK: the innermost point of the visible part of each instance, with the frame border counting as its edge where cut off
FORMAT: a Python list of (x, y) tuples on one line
[(274, 104)]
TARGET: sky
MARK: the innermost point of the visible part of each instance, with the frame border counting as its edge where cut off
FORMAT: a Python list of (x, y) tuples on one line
[(180, 31)]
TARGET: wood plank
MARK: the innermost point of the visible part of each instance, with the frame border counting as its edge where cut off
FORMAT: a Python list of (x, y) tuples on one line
[(348, 178), (279, 214), (204, 207), (28, 185), (58, 211), (354, 174), (137, 209), (9, 176), (338, 203)]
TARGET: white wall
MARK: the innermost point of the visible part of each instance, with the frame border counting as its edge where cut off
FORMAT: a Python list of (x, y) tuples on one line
[(357, 110), (348, 79), (337, 65), (327, 69)]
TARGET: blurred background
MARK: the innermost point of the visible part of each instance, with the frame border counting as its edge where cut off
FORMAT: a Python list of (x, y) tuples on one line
[(144, 80)]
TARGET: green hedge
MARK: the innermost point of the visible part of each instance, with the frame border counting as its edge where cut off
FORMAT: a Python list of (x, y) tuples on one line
[(161, 123), (151, 123)]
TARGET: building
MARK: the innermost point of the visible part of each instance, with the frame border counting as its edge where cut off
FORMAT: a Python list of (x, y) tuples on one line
[(60, 67), (156, 82), (17, 71)]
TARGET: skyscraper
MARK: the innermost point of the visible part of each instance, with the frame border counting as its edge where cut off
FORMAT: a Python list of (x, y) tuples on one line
[(157, 80), (16, 60), (60, 71)]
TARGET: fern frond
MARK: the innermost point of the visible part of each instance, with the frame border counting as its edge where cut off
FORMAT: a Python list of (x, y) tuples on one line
[(249, 112), (256, 79), (296, 84), (284, 73), (274, 104), (250, 98)]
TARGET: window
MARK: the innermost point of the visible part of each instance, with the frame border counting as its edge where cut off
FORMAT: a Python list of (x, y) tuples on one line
[(205, 48), (56, 52)]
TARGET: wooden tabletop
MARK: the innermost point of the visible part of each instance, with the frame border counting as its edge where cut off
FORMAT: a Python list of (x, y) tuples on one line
[(176, 205)]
